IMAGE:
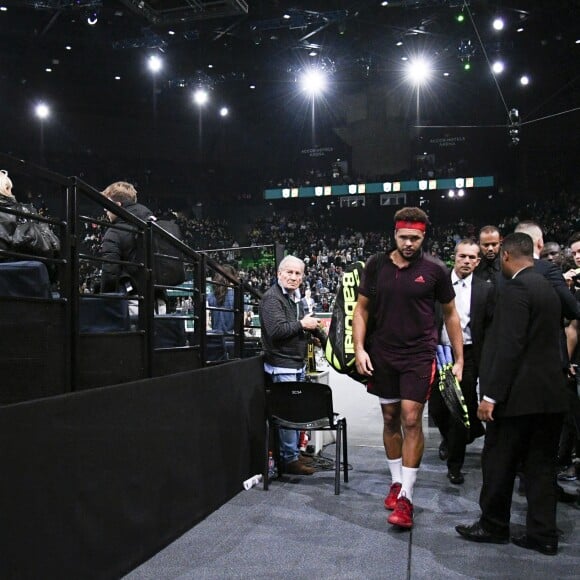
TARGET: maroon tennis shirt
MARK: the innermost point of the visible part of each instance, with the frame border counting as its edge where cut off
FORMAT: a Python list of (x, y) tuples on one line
[(405, 304)]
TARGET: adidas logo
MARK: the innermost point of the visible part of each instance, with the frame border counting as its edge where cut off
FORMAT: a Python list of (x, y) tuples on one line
[(420, 280)]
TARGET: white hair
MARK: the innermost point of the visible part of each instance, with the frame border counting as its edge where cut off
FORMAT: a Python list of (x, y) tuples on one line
[(5, 182), (288, 259)]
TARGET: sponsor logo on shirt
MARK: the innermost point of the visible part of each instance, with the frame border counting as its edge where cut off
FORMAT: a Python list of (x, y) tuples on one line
[(420, 280)]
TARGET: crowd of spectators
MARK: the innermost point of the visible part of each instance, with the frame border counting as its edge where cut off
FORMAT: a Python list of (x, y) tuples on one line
[(327, 248)]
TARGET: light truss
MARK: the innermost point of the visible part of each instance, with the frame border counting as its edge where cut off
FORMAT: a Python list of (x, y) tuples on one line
[(54, 4), (179, 11)]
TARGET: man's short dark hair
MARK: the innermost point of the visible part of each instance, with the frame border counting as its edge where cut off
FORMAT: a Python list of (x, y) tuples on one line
[(489, 230), (519, 245), (411, 214), (574, 238)]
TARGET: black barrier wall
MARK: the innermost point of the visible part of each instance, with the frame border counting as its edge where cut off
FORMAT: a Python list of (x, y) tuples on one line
[(96, 482)]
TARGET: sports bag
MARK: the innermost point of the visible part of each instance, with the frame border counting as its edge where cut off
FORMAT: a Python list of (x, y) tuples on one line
[(339, 350)]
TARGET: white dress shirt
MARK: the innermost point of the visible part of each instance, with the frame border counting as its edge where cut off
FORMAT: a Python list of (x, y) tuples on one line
[(462, 287)]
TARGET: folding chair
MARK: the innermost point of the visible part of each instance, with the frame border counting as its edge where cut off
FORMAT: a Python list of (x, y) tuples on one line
[(304, 406)]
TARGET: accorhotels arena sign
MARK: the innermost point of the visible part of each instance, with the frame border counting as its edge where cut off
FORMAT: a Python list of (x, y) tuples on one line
[(377, 188)]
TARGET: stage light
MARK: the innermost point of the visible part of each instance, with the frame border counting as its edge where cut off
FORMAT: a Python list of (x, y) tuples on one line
[(514, 126), (92, 18), (384, 3), (467, 66), (460, 17), (498, 24), (224, 112), (451, 193), (419, 71), (460, 193), (497, 67), (524, 80), (200, 97), (313, 81), (171, 32), (42, 111), (154, 63), (514, 116), (68, 47)]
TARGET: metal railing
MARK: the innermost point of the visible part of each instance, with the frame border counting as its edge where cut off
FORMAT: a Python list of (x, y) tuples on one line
[(79, 208)]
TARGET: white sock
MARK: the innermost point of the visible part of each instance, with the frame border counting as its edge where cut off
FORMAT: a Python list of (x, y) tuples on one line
[(408, 481), (395, 466)]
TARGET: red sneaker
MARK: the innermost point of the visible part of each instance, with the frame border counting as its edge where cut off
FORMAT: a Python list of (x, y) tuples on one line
[(391, 499), (402, 516)]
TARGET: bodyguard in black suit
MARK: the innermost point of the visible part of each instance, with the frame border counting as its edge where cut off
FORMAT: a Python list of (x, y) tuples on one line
[(474, 301), (523, 399)]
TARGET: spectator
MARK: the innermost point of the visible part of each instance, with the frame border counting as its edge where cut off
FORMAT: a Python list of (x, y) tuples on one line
[(222, 296), (121, 244), (285, 328)]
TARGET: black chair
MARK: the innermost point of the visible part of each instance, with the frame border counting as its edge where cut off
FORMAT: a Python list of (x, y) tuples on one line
[(304, 406), (169, 331), (215, 346), (26, 279), (104, 313)]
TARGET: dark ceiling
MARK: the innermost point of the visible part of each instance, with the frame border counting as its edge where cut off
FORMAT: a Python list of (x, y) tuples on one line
[(218, 44)]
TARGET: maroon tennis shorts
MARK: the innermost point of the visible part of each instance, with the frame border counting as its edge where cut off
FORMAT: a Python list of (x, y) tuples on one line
[(403, 376)]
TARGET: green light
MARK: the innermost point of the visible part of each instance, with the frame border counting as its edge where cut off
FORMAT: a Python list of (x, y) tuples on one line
[(466, 66), (460, 17)]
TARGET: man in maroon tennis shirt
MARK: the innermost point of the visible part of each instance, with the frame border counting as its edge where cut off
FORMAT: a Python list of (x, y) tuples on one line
[(401, 298)]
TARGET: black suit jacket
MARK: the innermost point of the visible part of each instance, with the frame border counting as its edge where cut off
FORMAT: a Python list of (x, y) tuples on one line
[(570, 306), (520, 364), (489, 272), (481, 314)]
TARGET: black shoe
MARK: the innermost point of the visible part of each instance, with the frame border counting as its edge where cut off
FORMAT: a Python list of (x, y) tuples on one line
[(568, 473), (443, 451), (455, 477), (475, 533), (524, 541)]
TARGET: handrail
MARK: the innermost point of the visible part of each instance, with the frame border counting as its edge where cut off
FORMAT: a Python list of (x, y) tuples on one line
[(72, 223)]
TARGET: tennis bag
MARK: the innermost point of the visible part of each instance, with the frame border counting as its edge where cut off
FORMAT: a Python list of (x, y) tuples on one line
[(339, 350)]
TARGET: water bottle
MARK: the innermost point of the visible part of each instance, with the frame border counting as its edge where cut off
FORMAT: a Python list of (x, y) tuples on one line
[(271, 466), (303, 440)]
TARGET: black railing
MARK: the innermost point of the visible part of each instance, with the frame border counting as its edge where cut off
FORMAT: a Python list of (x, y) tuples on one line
[(75, 284)]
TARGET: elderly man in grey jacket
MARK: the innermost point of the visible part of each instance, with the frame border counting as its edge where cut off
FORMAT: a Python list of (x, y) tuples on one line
[(285, 330)]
